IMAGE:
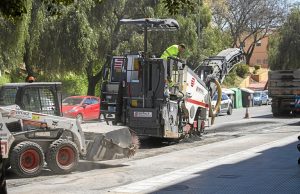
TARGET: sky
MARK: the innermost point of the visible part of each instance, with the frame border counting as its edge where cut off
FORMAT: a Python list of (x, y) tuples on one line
[(294, 1)]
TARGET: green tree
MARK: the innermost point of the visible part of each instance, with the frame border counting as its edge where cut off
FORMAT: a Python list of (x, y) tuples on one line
[(196, 31), (21, 36), (284, 47), (84, 35), (16, 9), (248, 20), (174, 6), (13, 36), (56, 40)]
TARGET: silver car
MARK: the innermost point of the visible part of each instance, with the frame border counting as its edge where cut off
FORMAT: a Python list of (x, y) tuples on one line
[(260, 98), (226, 104)]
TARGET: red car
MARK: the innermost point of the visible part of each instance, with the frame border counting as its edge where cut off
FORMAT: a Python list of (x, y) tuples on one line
[(82, 108)]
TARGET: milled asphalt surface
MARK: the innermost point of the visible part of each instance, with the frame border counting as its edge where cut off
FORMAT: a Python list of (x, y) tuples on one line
[(233, 157)]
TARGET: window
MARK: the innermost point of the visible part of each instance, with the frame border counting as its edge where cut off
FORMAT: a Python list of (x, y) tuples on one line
[(224, 97), (133, 68), (47, 101), (8, 96), (256, 94), (87, 101), (39, 100), (71, 101), (31, 100), (94, 101), (116, 68), (265, 61), (258, 43)]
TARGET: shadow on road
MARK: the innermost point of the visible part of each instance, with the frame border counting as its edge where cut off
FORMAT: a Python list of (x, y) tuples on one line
[(268, 116), (295, 124), (272, 171), (153, 142)]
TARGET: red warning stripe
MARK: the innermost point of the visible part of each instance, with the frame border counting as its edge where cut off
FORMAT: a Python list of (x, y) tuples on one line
[(197, 103)]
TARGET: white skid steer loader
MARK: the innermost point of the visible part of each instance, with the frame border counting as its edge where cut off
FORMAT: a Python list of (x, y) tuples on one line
[(30, 138)]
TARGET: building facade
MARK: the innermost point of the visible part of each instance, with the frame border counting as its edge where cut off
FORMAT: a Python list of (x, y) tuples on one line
[(260, 53)]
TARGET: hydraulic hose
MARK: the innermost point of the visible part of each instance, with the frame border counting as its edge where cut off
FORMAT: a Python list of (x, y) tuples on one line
[(214, 112)]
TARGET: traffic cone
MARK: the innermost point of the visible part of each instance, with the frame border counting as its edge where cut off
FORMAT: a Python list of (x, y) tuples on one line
[(247, 113)]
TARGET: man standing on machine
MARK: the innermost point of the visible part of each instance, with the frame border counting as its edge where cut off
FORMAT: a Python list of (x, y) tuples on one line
[(173, 51)]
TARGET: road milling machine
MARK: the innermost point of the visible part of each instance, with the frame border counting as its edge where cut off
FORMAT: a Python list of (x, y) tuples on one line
[(163, 98), (32, 132)]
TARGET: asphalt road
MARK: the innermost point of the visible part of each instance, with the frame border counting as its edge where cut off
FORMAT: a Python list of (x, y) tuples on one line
[(238, 114), (157, 160)]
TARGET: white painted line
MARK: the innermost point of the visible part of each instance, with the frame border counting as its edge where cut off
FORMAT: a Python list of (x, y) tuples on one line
[(177, 176)]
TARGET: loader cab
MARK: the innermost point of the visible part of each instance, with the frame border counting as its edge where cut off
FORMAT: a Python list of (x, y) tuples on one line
[(41, 97)]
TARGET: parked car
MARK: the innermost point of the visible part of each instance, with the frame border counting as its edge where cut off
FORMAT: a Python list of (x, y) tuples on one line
[(260, 98), (226, 104), (82, 108), (269, 98)]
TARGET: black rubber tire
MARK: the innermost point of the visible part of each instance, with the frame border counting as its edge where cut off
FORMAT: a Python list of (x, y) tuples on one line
[(275, 109), (278, 109), (281, 114), (27, 159), (229, 111), (6, 163), (62, 156), (285, 113), (2, 176)]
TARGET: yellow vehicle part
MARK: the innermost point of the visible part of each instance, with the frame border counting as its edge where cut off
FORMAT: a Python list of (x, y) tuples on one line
[(216, 109)]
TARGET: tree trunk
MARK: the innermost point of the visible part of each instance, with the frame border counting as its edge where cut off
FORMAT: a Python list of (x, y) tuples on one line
[(26, 57), (91, 87), (248, 57), (249, 53), (94, 79)]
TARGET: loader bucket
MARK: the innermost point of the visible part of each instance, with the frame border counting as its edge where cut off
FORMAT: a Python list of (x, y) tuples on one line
[(106, 142)]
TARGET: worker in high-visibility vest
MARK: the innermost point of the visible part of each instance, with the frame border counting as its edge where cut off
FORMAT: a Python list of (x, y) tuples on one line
[(173, 51)]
